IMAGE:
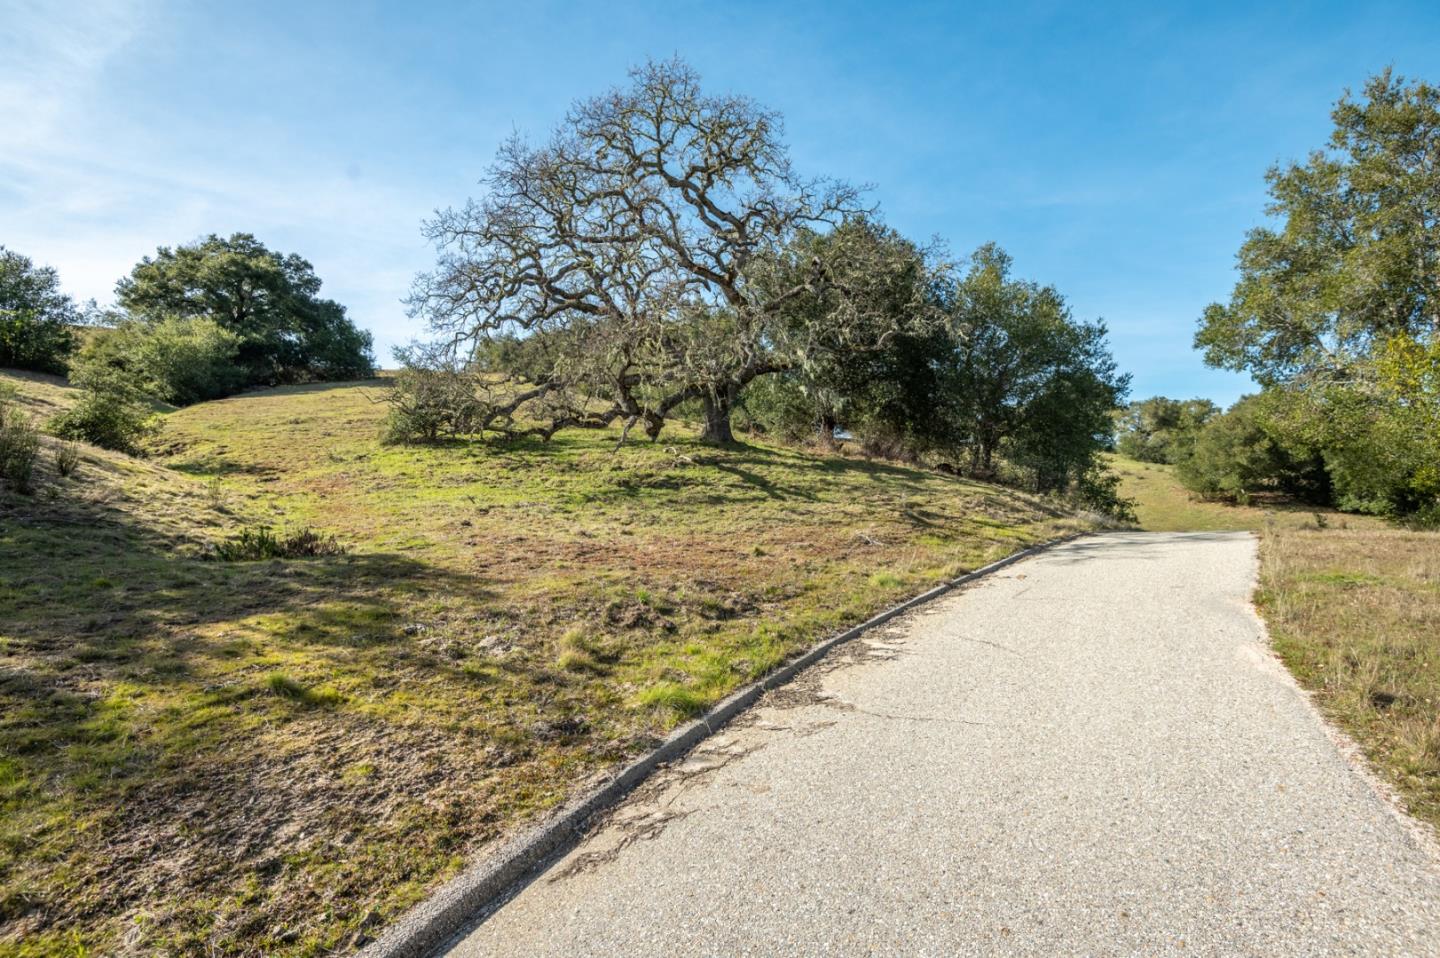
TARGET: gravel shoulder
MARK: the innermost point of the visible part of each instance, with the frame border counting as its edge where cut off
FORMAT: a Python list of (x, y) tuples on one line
[(1090, 752)]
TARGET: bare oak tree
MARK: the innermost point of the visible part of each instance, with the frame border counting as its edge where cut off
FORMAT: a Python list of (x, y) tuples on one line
[(659, 249)]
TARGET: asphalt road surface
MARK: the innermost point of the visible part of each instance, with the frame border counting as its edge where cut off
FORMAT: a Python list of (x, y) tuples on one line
[(1091, 752)]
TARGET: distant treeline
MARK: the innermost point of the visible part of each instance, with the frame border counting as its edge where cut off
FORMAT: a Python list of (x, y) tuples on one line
[(195, 322)]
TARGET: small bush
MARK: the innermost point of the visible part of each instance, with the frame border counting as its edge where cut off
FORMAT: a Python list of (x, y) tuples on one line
[(434, 397), (878, 442), (67, 458), (1099, 489), (262, 543), (19, 448), (108, 419)]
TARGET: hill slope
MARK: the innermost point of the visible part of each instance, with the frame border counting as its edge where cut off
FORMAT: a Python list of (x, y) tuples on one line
[(278, 756)]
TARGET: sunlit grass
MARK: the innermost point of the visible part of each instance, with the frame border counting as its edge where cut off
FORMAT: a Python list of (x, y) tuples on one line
[(251, 757)]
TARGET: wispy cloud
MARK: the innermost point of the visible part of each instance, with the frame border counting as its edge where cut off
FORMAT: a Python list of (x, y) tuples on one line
[(51, 58)]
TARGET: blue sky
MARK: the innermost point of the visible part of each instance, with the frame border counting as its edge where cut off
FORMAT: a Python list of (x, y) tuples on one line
[(1116, 150)]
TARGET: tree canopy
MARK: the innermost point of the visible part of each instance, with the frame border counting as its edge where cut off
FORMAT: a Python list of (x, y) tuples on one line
[(660, 248), (269, 300), (1004, 373), (1355, 259), (35, 316), (1159, 429), (1337, 309)]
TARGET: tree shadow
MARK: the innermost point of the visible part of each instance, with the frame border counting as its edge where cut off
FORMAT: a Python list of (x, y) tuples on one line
[(769, 487), (120, 602), (140, 681)]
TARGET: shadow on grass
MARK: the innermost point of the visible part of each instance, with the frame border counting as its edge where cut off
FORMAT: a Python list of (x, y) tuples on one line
[(769, 487), (216, 468), (137, 682), (300, 389), (125, 604)]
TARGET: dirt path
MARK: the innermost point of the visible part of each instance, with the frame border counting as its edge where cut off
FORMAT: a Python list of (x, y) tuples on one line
[(1091, 752)]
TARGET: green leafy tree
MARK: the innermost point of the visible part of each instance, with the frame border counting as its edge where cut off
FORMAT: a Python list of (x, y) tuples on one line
[(1005, 374), (885, 387), (1027, 380), (1160, 429), (656, 242), (269, 300), (35, 317), (1352, 266), (1382, 444), (1248, 450), (1356, 256)]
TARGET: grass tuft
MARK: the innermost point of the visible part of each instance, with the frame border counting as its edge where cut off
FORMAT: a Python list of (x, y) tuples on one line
[(67, 459), (252, 544), (674, 697), (288, 688)]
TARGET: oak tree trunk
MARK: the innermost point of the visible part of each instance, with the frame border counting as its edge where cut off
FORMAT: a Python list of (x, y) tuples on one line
[(718, 406)]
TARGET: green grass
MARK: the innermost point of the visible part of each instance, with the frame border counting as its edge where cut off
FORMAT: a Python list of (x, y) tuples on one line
[(1353, 608), (1164, 505), (251, 757)]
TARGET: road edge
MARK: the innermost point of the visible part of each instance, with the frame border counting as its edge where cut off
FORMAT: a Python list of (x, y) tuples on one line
[(1420, 834), (450, 908)]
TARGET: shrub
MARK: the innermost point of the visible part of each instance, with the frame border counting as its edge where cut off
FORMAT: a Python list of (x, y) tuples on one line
[(1382, 437), (19, 447), (67, 458), (878, 442), (262, 543), (176, 360), (1098, 489), (1242, 452), (783, 406), (432, 400), (110, 419)]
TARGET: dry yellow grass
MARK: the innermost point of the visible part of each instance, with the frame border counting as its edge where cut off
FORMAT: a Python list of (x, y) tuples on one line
[(39, 394), (1355, 614)]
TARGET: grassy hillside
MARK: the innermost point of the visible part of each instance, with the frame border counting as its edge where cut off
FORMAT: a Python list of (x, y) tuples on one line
[(276, 757), (1353, 607)]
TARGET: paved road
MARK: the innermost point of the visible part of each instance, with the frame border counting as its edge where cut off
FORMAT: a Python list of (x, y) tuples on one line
[(1090, 753)]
